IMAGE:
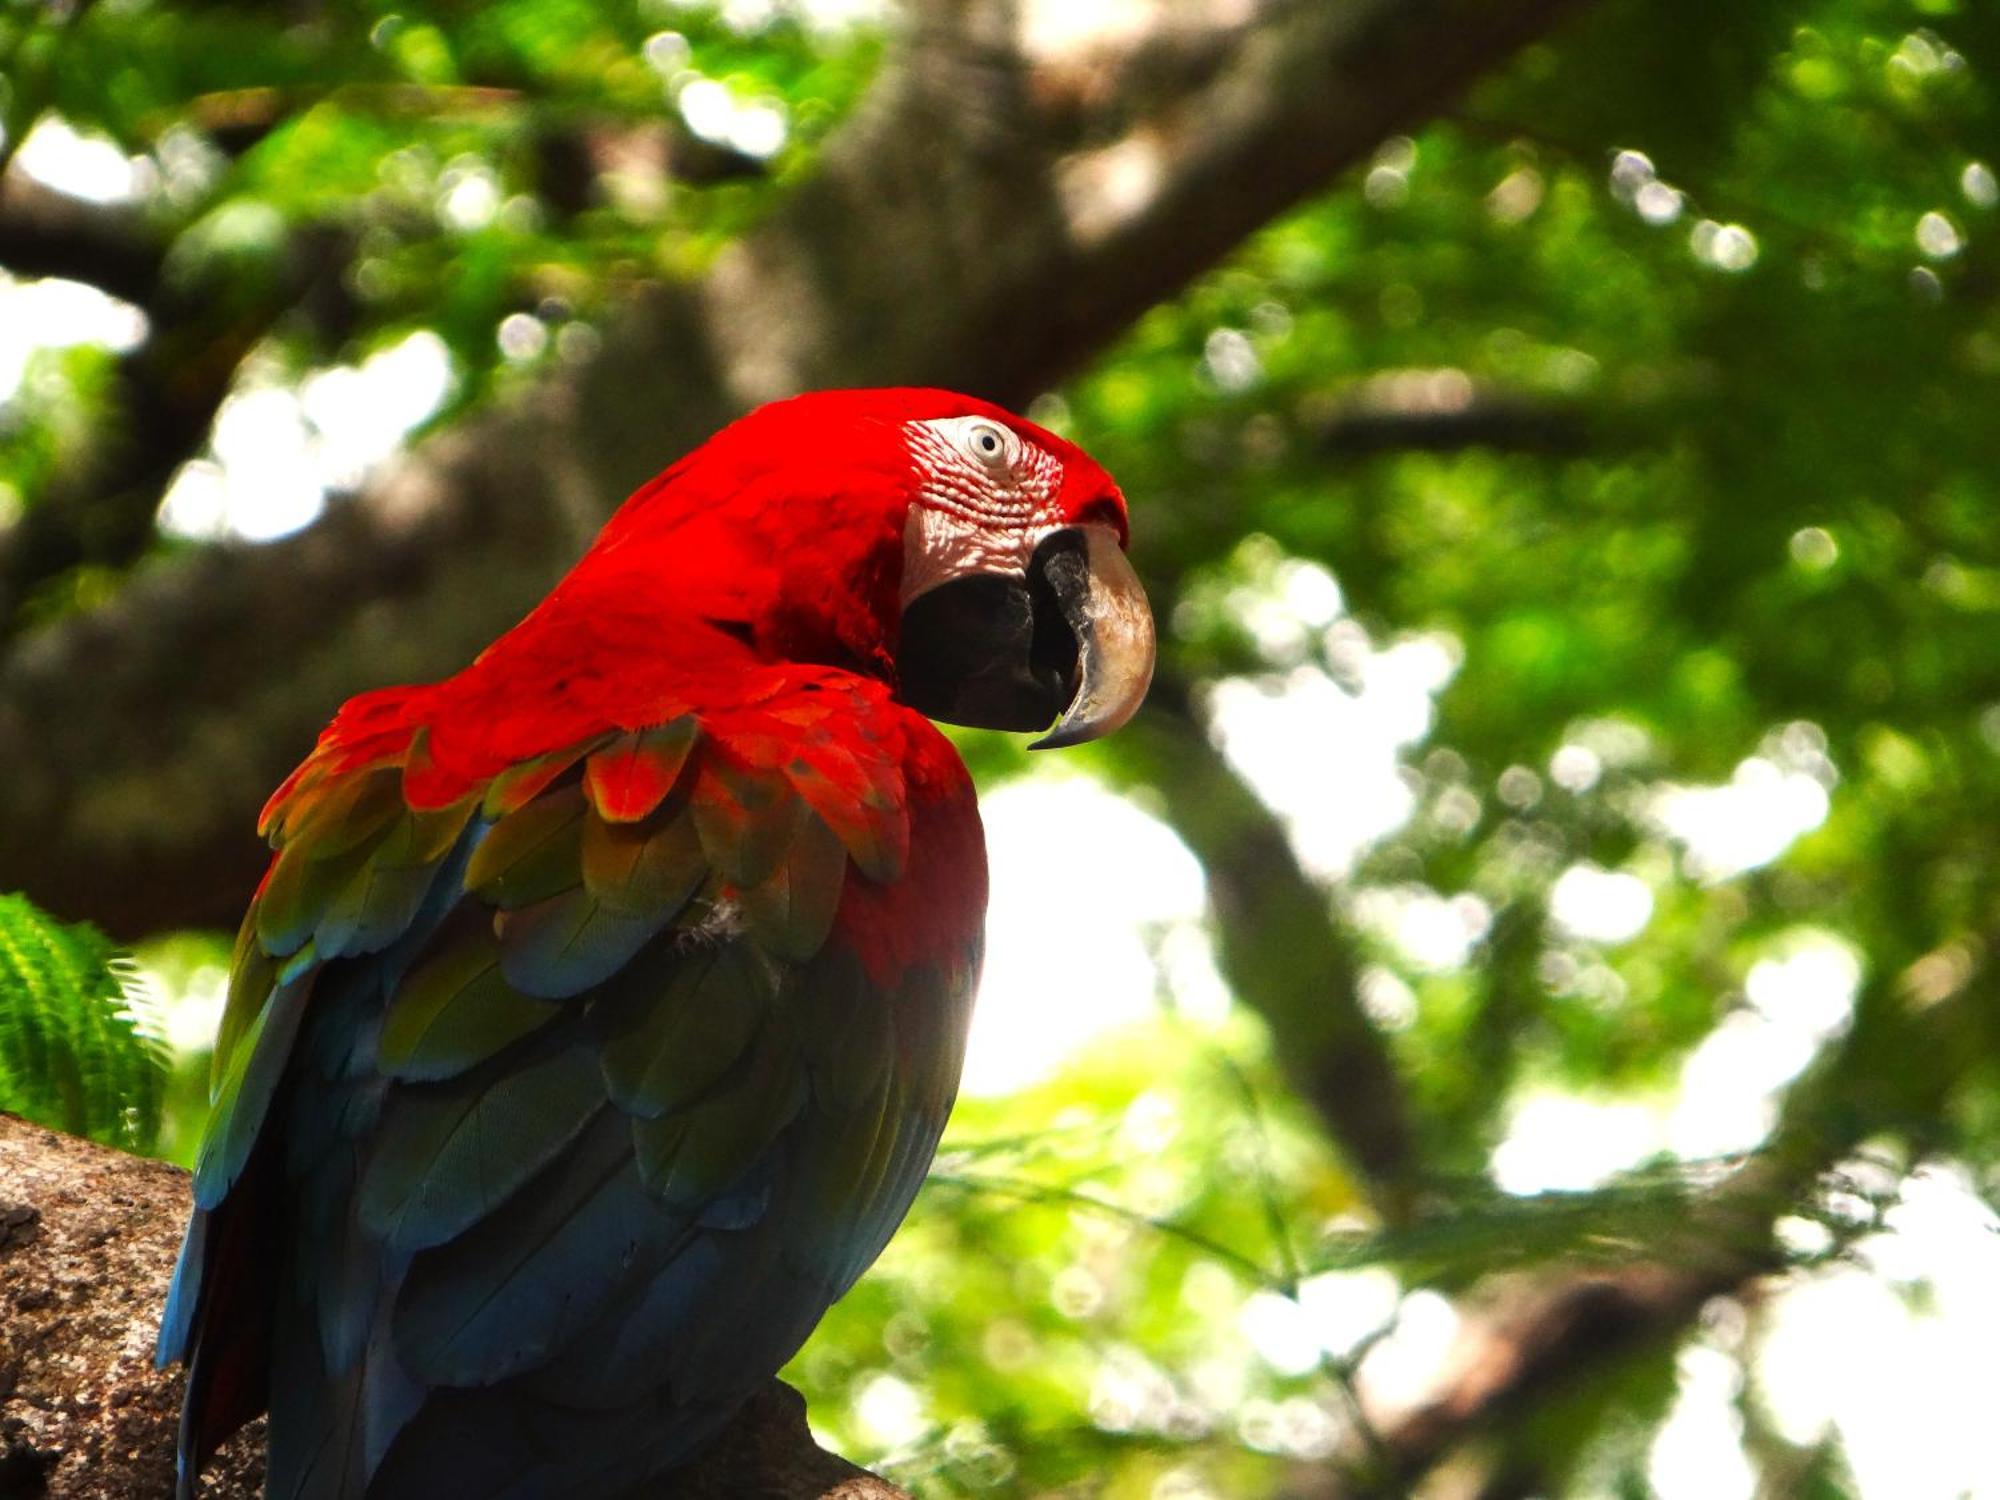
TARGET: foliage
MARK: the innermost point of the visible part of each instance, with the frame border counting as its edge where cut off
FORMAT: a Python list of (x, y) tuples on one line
[(412, 169), (77, 1048)]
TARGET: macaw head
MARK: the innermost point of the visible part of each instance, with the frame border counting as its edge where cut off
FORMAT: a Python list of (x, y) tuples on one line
[(974, 558)]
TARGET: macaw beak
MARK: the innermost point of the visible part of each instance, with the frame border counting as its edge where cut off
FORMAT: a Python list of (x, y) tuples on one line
[(1071, 636), (1103, 605)]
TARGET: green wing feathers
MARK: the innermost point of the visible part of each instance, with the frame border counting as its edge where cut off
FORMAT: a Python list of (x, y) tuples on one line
[(577, 861)]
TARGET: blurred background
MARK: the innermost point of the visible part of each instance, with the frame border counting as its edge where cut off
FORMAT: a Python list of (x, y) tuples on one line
[(1520, 1014)]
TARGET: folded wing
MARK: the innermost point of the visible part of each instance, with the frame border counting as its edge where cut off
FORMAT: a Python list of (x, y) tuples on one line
[(555, 1105)]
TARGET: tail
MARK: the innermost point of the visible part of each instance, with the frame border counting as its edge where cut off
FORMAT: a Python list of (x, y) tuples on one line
[(228, 1366)]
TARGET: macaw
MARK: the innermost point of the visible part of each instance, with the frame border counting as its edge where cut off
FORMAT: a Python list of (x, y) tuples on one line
[(597, 1017)]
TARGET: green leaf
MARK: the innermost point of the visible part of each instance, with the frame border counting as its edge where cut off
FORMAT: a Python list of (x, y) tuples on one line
[(78, 1047)]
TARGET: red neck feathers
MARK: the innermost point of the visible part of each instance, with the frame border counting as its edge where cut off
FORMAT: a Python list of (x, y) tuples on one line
[(784, 530)]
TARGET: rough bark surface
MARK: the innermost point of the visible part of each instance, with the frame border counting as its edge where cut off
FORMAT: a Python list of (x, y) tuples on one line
[(87, 1242)]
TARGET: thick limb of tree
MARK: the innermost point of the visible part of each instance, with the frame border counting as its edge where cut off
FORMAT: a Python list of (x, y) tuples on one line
[(950, 235), (87, 1242)]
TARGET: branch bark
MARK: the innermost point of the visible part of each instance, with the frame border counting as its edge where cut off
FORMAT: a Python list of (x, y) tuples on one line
[(87, 1242), (1530, 1339), (949, 235)]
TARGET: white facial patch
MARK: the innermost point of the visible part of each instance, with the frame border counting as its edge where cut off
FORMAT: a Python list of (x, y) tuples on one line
[(984, 499)]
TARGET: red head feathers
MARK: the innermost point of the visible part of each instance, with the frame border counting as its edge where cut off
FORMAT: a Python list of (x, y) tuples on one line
[(794, 524), (926, 539), (833, 528)]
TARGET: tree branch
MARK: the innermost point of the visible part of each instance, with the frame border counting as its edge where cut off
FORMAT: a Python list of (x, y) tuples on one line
[(100, 505), (1530, 1339), (1281, 950), (47, 233), (87, 1242)]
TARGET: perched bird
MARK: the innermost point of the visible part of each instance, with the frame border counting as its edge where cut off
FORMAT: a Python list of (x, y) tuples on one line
[(596, 1020)]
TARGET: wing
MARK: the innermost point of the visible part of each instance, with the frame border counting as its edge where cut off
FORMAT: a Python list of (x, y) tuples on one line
[(571, 1095)]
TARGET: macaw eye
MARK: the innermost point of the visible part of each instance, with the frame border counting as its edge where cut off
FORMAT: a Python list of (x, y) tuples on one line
[(990, 443)]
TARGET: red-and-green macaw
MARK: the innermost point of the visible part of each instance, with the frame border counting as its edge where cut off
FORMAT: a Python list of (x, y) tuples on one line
[(596, 1020)]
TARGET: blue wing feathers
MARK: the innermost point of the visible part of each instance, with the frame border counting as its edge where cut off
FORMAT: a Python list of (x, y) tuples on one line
[(441, 1162), (506, 1295)]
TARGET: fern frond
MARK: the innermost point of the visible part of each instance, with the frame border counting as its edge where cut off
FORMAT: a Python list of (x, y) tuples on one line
[(80, 1047)]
